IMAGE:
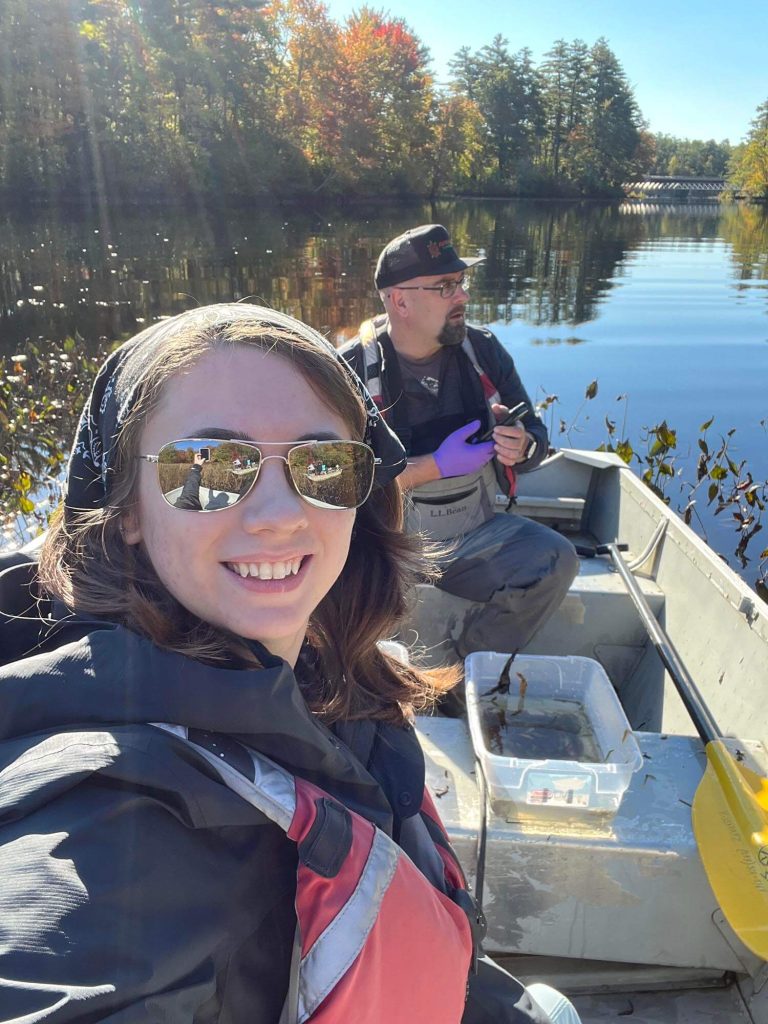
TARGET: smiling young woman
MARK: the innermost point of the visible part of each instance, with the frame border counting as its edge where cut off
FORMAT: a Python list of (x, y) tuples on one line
[(239, 372), (194, 553)]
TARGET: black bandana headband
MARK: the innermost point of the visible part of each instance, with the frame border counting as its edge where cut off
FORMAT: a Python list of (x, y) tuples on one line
[(121, 377)]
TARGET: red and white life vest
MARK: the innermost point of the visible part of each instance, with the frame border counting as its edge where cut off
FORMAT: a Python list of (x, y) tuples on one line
[(377, 943)]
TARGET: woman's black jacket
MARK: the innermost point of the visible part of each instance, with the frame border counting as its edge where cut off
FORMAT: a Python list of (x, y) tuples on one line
[(134, 886)]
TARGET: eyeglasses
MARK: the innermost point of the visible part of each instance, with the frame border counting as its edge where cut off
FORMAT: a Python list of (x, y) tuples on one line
[(447, 289), (326, 474)]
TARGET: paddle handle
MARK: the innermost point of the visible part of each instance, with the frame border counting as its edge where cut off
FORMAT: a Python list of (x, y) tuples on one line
[(705, 724)]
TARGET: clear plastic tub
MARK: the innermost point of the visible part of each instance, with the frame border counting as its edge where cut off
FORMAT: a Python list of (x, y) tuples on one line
[(565, 704)]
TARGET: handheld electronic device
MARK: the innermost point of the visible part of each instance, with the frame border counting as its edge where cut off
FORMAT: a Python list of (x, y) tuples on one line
[(205, 453), (514, 414)]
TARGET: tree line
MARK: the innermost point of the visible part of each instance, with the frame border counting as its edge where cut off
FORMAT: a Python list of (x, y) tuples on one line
[(155, 98), (744, 166)]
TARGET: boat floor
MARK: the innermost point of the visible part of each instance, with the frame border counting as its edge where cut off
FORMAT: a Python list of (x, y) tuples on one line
[(703, 1007), (654, 995)]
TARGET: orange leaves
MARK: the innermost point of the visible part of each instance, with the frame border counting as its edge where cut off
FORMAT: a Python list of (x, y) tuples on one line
[(355, 97), (400, 41)]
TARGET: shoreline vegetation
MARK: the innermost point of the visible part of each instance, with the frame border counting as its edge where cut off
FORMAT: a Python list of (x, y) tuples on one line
[(107, 103)]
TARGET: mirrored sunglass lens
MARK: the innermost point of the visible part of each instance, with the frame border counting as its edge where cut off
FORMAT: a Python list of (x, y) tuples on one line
[(204, 474), (332, 474)]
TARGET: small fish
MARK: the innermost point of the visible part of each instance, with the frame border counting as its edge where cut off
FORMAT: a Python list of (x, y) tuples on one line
[(523, 691), (504, 681)]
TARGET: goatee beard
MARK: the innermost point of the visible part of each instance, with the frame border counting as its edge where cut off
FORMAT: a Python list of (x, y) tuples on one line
[(452, 334)]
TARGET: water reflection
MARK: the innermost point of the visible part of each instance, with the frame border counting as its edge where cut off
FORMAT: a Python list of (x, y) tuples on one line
[(745, 229), (546, 263)]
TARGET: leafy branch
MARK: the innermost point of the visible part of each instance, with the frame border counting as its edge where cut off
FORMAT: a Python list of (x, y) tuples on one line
[(726, 486), (41, 395)]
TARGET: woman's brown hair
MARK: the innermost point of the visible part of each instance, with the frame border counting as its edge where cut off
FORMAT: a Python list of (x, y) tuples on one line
[(88, 565)]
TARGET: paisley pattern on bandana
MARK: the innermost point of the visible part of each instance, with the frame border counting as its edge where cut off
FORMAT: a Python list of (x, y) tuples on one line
[(122, 375)]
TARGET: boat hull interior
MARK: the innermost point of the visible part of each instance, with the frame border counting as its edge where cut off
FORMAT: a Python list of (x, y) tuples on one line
[(616, 910)]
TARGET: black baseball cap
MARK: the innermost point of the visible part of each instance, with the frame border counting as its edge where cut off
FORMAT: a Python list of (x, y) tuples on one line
[(425, 251)]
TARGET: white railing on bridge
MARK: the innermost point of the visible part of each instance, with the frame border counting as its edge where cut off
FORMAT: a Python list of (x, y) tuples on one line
[(659, 183)]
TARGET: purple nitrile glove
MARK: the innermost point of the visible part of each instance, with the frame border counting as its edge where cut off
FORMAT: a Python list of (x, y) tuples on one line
[(455, 457)]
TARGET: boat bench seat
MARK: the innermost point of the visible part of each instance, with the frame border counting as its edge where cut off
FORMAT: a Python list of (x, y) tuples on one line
[(564, 514), (597, 614), (595, 620)]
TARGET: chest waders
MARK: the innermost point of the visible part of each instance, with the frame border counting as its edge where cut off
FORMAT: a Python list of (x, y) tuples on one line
[(452, 506)]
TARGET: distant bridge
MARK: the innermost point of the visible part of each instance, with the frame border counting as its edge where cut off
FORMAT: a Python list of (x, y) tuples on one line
[(662, 186)]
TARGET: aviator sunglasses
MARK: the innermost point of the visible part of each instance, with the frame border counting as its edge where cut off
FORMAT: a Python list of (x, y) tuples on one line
[(326, 474)]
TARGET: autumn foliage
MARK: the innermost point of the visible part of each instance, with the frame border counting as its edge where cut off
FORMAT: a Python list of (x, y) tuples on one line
[(112, 99)]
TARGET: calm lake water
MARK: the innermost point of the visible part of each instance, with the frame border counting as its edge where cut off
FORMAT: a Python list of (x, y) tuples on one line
[(666, 306)]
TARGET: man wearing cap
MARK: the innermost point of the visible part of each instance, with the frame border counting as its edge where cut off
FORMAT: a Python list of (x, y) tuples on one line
[(442, 383)]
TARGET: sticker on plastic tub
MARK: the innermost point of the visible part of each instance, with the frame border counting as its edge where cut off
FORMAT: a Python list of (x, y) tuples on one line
[(559, 789)]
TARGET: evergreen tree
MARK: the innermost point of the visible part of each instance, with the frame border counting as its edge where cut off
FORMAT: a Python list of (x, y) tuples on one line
[(506, 89), (565, 101), (608, 139), (465, 72)]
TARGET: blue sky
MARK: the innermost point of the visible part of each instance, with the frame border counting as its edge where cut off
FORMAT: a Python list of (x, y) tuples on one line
[(699, 70)]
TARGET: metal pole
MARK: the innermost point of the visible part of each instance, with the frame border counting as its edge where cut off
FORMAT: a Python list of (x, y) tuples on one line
[(705, 724)]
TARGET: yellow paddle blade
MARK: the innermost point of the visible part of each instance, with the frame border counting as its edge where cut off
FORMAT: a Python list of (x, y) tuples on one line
[(730, 821)]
